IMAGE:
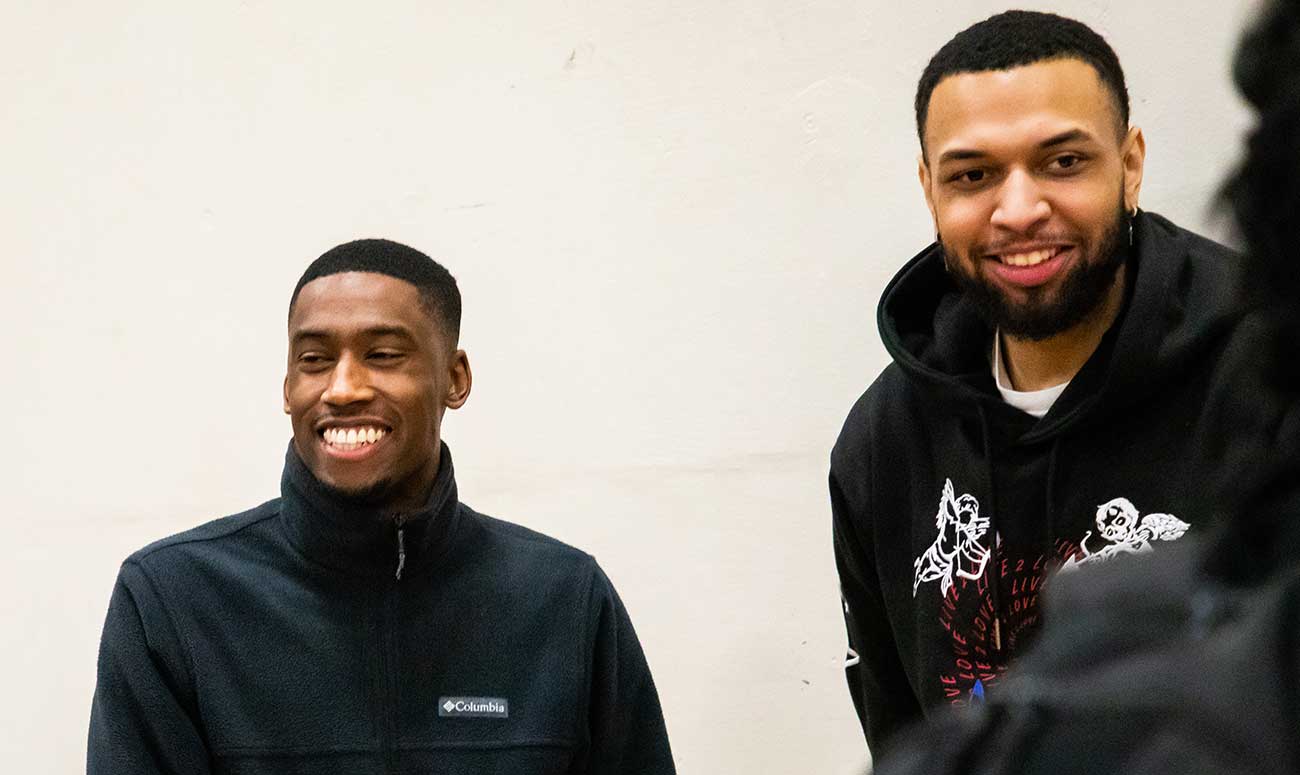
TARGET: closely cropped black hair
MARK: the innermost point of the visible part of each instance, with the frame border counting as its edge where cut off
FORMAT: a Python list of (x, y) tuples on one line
[(439, 295), (1016, 38)]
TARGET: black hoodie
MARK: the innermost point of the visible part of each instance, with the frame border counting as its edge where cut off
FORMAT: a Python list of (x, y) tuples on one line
[(1185, 662), (286, 639), (951, 507)]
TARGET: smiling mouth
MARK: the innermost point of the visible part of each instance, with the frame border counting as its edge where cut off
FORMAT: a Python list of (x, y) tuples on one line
[(1029, 257), (351, 439)]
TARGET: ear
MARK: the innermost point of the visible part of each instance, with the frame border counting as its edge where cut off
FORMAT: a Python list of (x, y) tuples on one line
[(923, 175), (286, 394), (462, 379), (1134, 155)]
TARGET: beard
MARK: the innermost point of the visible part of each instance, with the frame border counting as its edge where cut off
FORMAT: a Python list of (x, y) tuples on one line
[(1081, 292)]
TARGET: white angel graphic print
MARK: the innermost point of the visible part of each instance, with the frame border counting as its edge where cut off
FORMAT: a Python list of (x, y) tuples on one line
[(1118, 522), (957, 551)]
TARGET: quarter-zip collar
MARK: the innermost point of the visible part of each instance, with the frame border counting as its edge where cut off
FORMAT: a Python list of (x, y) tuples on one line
[(363, 540)]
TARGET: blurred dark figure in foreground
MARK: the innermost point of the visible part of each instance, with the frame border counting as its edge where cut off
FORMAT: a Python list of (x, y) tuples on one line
[(1188, 661)]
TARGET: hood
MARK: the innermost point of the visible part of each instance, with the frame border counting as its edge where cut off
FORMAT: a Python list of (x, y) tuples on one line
[(1176, 306)]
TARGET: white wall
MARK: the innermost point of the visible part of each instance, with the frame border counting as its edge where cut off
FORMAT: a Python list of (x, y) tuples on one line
[(671, 222)]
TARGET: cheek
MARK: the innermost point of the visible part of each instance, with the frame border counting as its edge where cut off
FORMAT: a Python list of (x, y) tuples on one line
[(302, 395), (419, 404), (962, 221), (297, 400), (1089, 205)]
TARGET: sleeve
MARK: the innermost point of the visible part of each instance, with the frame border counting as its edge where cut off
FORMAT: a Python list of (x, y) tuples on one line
[(878, 684), (143, 719), (625, 722)]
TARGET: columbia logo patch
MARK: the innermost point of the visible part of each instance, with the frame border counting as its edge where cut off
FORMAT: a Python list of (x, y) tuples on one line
[(473, 707)]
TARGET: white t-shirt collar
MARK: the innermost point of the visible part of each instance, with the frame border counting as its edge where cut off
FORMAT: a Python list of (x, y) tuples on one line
[(1032, 402)]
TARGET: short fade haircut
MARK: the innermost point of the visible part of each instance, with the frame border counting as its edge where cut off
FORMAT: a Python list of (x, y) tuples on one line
[(1017, 38), (439, 296)]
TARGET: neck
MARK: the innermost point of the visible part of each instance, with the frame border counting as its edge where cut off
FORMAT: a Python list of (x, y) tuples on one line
[(355, 537), (411, 496), (1040, 364), (388, 500)]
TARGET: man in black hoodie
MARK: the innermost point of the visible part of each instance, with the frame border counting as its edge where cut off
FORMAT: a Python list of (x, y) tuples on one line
[(367, 621), (1186, 662), (1053, 354)]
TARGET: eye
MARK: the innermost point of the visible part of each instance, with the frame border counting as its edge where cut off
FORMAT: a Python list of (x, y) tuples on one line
[(384, 356), (313, 361), (968, 177), (1066, 162)]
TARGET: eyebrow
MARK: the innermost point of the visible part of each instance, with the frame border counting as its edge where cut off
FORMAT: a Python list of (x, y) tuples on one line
[(372, 331), (1068, 136)]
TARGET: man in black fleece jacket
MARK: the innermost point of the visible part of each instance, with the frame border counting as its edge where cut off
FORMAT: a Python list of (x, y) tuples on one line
[(1054, 353), (367, 621)]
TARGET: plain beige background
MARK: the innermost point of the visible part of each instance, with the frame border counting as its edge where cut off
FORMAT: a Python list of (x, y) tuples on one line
[(671, 222)]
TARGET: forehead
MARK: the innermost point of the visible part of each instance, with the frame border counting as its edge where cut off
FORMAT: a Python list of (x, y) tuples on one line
[(1024, 104), (349, 302)]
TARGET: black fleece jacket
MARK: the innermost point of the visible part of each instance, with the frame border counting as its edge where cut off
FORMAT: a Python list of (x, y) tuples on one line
[(951, 507), (284, 639)]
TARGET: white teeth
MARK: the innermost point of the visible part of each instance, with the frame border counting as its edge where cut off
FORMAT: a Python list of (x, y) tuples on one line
[(351, 438), (1027, 259)]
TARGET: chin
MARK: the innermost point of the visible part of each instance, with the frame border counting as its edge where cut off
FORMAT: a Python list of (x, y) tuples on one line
[(367, 493)]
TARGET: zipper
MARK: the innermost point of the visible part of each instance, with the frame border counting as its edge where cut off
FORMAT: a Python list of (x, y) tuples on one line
[(401, 546), (389, 645), (391, 680)]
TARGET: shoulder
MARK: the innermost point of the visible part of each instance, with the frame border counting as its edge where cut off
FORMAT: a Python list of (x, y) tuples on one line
[(208, 537), (1203, 268), (1165, 231), (884, 402), (526, 570), (522, 546)]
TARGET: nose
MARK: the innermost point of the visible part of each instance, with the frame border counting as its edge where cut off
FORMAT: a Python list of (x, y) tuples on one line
[(349, 383), (1021, 205)]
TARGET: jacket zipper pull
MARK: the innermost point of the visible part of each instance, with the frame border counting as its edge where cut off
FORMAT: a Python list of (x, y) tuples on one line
[(401, 550), (997, 632)]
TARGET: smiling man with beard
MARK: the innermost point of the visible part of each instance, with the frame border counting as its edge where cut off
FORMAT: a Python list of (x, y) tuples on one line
[(367, 620), (1054, 351)]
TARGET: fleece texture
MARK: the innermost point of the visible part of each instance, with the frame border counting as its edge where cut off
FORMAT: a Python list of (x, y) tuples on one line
[(284, 640)]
